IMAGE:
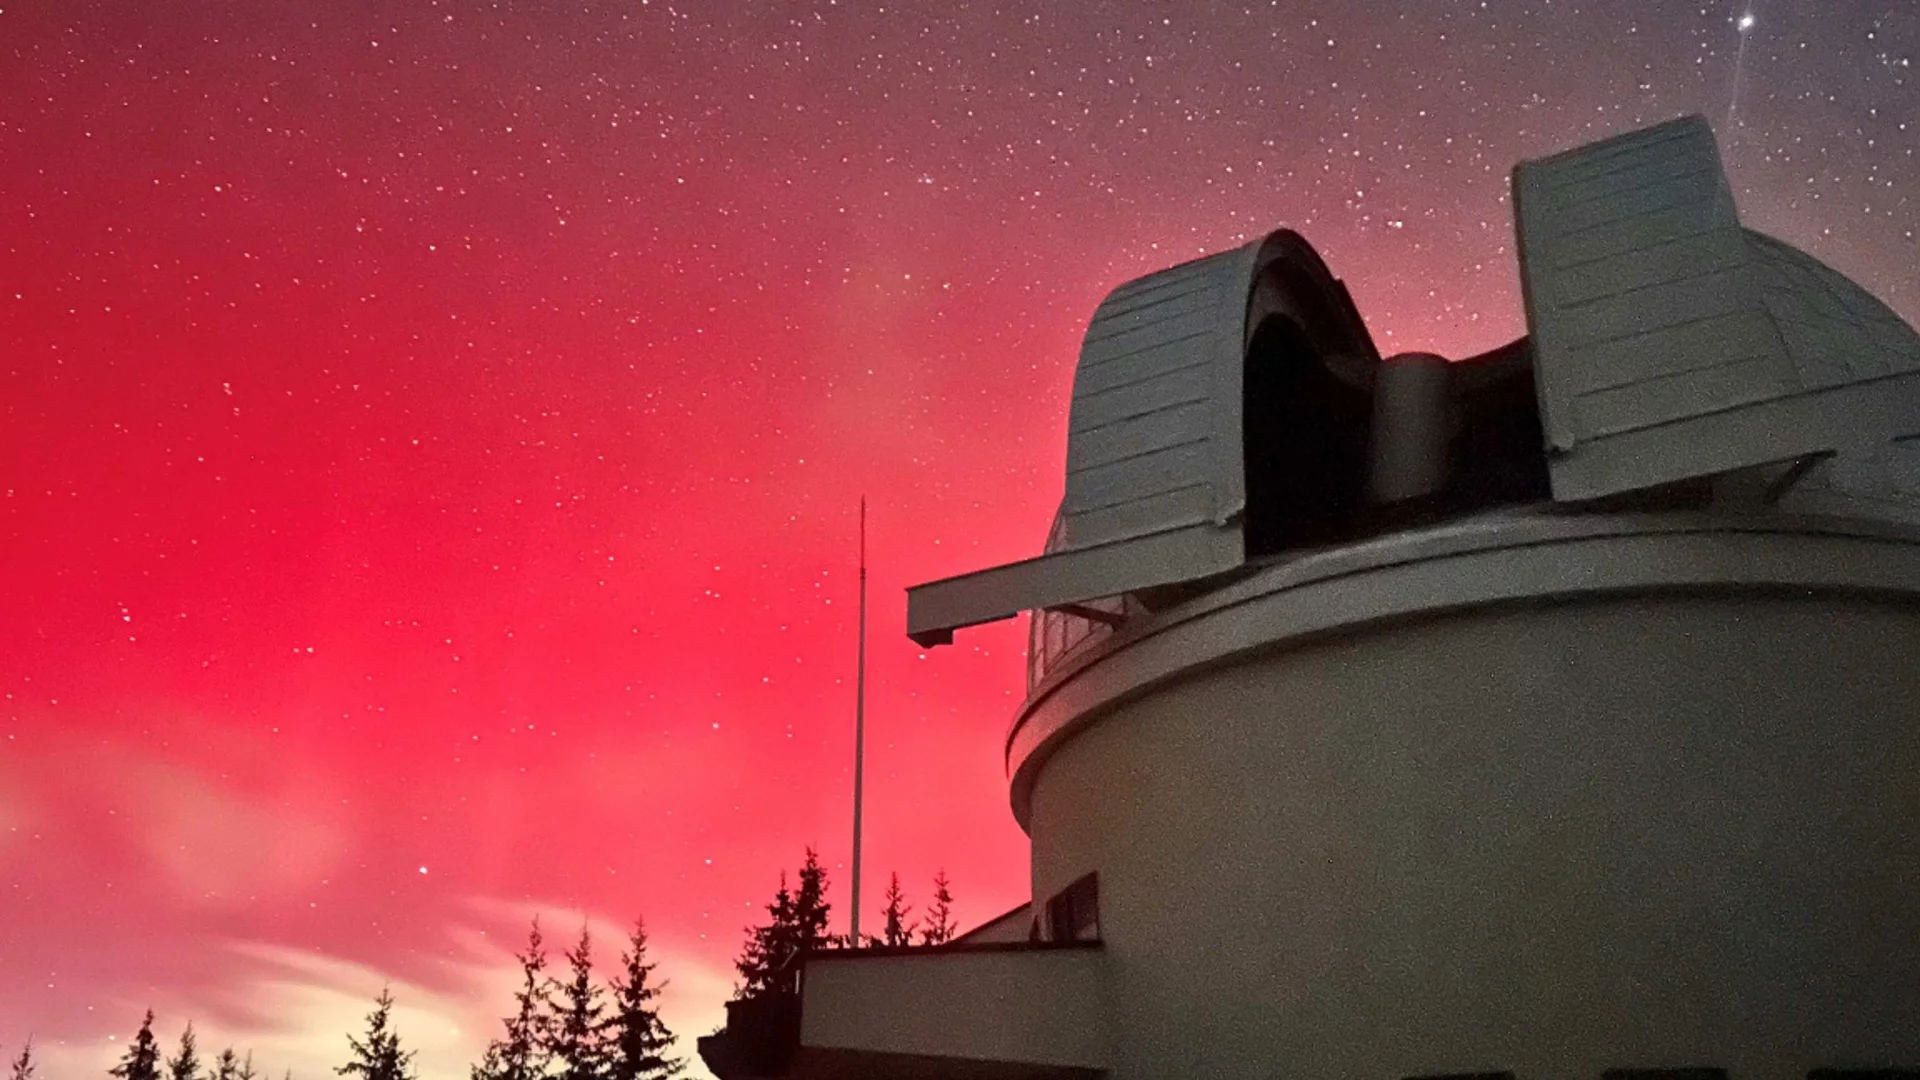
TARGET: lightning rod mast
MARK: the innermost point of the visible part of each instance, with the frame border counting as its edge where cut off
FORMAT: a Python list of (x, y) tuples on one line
[(859, 726)]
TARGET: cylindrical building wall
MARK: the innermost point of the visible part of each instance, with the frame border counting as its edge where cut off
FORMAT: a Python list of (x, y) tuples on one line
[(1677, 825)]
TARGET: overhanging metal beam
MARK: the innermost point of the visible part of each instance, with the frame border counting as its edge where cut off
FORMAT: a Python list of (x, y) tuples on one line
[(935, 610)]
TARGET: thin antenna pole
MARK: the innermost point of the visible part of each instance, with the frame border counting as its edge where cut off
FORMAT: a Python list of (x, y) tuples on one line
[(859, 724)]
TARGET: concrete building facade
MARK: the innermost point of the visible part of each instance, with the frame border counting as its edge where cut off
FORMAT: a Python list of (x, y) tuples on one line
[(1549, 713)]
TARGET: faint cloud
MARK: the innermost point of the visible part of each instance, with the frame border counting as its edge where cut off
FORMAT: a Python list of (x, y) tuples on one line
[(302, 1005), (207, 838), (692, 1004), (293, 1009), (214, 844)]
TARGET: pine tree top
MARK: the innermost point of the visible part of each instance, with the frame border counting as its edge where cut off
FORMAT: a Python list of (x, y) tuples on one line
[(379, 1057), (142, 1059), (639, 1039), (940, 927), (798, 926), (577, 1035), (524, 1052), (23, 1066), (895, 929), (186, 1064)]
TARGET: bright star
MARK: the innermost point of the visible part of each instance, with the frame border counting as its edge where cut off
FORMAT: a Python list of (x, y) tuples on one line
[(1746, 22)]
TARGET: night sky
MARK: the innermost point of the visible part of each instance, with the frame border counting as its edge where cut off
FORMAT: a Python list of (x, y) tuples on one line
[(431, 433)]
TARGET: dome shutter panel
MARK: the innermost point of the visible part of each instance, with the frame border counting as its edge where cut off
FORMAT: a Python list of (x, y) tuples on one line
[(1156, 486), (1670, 342), (1153, 455)]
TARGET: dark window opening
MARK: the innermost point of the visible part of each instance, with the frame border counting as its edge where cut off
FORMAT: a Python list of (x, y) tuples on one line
[(1304, 436), (1663, 1075), (1499, 451), (1074, 912)]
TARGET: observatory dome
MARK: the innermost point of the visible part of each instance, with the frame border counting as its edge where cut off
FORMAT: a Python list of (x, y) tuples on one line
[(1396, 716), (1543, 713)]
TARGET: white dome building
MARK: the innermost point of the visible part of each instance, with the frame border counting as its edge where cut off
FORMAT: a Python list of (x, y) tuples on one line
[(1553, 713)]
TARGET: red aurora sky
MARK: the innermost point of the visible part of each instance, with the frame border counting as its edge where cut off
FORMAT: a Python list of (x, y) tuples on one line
[(431, 432)]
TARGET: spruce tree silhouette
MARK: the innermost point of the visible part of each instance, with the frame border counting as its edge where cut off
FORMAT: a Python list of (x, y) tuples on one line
[(227, 1065), (638, 1040), (895, 929), (767, 948), (522, 1054), (379, 1057), (798, 926), (142, 1059), (576, 1043), (186, 1065), (940, 928), (246, 1068), (810, 906), (490, 1066), (22, 1067)]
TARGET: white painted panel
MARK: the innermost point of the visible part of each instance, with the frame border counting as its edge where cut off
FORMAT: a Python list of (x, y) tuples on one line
[(1179, 423), (1648, 318)]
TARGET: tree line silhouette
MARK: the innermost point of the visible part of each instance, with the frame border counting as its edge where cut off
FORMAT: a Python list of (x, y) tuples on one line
[(797, 925), (568, 1026)]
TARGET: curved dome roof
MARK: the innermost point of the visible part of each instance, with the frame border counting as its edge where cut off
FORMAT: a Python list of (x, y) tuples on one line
[(1671, 343), (1235, 406), (1836, 331), (1155, 471), (1153, 442)]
